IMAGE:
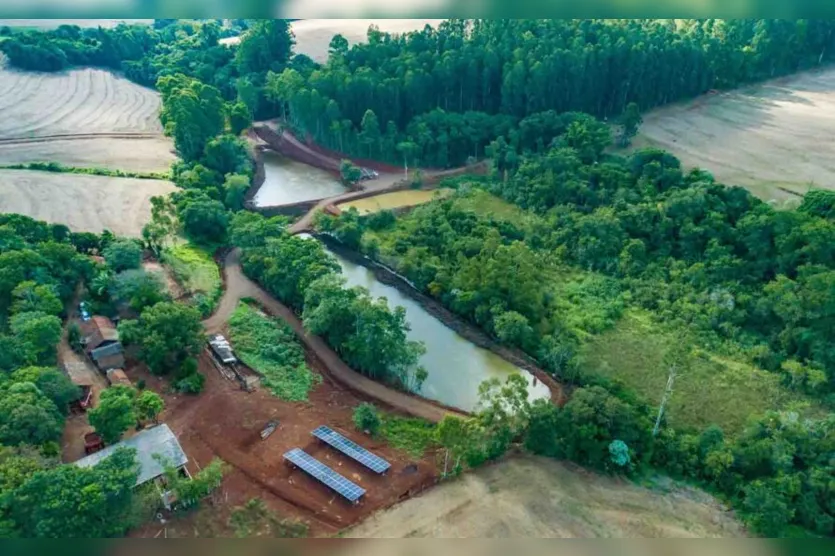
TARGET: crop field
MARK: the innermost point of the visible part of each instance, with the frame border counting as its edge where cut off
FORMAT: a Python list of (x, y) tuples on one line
[(774, 139), (82, 202), (535, 497), (85, 117)]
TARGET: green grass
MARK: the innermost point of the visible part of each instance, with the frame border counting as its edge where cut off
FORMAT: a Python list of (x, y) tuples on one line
[(712, 390), (485, 203), (413, 436), (270, 347), (61, 169), (197, 272)]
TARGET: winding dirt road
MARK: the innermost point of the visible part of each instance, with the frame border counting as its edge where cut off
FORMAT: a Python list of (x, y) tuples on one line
[(239, 286)]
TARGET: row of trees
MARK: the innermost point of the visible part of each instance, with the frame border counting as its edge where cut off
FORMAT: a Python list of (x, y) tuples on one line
[(437, 95), (367, 334)]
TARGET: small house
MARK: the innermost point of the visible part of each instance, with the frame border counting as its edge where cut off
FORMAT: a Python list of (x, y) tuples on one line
[(155, 448), (108, 357), (101, 341)]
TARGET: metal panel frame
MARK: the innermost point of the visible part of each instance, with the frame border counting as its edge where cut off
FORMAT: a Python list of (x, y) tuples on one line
[(351, 449), (325, 475)]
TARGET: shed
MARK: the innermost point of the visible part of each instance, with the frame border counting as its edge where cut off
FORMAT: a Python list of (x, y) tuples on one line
[(118, 377), (222, 349), (99, 331), (151, 442), (109, 356)]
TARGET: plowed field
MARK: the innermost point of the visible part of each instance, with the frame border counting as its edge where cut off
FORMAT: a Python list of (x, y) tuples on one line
[(84, 203), (84, 117), (774, 139)]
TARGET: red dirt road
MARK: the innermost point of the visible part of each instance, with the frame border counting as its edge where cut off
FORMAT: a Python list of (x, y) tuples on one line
[(239, 286)]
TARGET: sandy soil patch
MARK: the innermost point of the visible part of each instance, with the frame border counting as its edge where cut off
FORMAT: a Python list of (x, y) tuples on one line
[(84, 203), (774, 139), (527, 496)]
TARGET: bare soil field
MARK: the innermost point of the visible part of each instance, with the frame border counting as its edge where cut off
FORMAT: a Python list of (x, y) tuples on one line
[(526, 496), (225, 422), (84, 117), (775, 139), (314, 35), (82, 202)]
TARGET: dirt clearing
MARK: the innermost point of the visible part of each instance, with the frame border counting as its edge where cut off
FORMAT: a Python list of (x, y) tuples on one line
[(84, 117), (526, 496), (84, 203), (225, 422), (775, 139)]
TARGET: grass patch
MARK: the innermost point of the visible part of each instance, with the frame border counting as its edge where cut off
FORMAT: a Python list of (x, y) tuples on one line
[(198, 274), (713, 390), (413, 436), (270, 347), (254, 519), (57, 168), (482, 202)]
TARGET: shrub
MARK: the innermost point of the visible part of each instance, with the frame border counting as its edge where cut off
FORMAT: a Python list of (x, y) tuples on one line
[(367, 419)]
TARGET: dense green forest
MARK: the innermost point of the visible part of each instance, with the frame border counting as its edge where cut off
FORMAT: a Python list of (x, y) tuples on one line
[(741, 278), (439, 96)]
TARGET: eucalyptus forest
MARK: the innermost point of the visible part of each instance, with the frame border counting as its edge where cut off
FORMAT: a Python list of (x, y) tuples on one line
[(566, 236)]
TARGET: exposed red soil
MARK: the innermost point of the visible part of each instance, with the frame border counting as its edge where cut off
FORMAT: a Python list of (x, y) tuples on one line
[(225, 422)]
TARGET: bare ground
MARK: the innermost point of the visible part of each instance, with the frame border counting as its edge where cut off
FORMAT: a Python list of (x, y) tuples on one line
[(82, 202), (133, 154), (775, 139), (83, 117), (224, 421), (526, 496)]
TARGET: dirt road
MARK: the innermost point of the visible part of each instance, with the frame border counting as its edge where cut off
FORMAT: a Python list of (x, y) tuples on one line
[(239, 286)]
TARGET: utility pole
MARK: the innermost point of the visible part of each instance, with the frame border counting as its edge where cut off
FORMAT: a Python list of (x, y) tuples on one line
[(668, 392)]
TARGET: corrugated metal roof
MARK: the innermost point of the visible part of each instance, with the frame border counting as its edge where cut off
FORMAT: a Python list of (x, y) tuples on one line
[(158, 440), (105, 351), (222, 348), (106, 328)]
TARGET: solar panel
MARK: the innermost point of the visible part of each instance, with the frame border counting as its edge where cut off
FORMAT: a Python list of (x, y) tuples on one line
[(351, 449), (324, 474)]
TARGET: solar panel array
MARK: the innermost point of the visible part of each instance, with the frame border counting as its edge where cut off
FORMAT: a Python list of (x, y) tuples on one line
[(324, 474), (351, 449)]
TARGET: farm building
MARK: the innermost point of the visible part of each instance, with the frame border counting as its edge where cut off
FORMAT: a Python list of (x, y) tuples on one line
[(101, 340), (150, 443), (108, 357), (222, 349), (118, 377)]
